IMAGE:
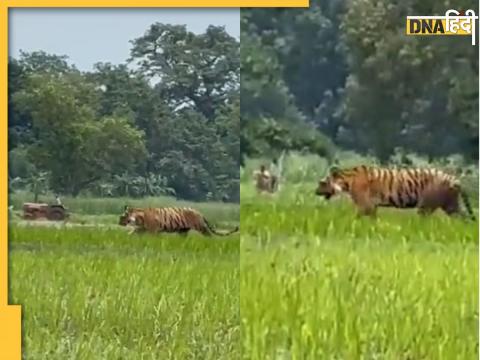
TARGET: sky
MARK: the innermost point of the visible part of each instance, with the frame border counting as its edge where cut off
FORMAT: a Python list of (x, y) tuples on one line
[(88, 36)]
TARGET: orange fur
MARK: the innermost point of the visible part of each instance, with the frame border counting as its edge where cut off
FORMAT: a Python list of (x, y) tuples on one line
[(372, 187), (169, 219)]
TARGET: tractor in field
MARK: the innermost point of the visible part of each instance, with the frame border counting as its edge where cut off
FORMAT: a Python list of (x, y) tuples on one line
[(35, 211)]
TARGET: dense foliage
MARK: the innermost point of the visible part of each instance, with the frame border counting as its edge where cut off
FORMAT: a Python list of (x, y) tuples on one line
[(170, 126), (346, 68)]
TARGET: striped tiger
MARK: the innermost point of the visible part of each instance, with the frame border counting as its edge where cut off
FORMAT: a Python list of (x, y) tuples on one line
[(169, 219), (372, 187)]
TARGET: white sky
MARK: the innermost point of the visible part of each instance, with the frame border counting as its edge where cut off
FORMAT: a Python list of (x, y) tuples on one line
[(88, 36)]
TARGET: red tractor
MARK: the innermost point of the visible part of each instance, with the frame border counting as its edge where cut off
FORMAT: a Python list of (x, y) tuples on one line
[(34, 211)]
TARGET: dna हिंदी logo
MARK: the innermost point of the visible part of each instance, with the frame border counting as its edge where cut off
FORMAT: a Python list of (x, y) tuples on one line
[(452, 23)]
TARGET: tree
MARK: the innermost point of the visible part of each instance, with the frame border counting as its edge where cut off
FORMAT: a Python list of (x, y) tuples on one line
[(188, 152), (170, 126), (364, 84), (124, 93), (36, 62), (271, 123), (37, 184), (401, 88), (309, 48), (19, 124), (40, 62), (70, 143), (194, 71)]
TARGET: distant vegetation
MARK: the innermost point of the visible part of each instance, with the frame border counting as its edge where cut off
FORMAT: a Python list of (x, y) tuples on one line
[(169, 127), (343, 75)]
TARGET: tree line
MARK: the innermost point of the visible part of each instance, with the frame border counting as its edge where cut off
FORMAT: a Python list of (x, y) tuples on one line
[(164, 122), (343, 75)]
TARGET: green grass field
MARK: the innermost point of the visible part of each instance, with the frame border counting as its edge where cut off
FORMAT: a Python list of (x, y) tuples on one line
[(312, 282), (98, 293), (318, 283)]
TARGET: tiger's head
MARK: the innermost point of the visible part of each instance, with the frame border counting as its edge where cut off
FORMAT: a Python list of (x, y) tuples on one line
[(131, 216), (332, 184)]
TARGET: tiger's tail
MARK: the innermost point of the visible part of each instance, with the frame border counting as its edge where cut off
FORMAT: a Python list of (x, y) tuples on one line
[(468, 206), (220, 233)]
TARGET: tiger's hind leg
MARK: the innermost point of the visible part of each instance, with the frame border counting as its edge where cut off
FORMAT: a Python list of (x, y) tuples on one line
[(429, 201), (426, 207), (441, 197), (451, 205), (425, 211)]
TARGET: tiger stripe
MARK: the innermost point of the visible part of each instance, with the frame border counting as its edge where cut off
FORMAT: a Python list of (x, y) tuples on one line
[(372, 187), (169, 219)]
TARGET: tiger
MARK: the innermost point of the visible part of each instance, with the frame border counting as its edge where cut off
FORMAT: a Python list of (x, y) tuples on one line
[(371, 187), (169, 220), (264, 181)]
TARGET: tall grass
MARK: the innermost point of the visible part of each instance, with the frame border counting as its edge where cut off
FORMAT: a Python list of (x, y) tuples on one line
[(319, 283), (101, 294)]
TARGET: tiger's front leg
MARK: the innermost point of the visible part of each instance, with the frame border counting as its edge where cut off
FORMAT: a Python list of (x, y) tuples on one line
[(364, 200), (136, 230), (368, 209)]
